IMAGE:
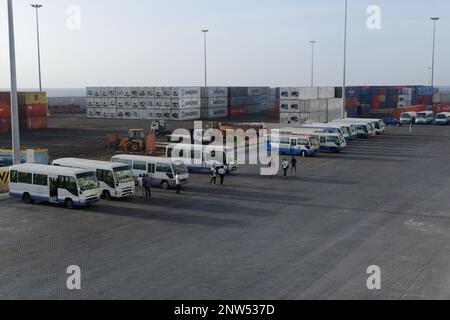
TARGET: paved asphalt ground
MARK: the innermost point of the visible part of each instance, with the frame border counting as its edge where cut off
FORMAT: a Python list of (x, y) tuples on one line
[(385, 202)]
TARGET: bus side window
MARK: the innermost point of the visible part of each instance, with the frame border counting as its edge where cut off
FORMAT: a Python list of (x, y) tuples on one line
[(151, 168), (26, 178), (323, 140), (140, 165), (68, 183), (106, 176), (40, 180), (13, 177)]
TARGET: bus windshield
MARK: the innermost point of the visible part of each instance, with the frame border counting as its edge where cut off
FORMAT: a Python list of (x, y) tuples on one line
[(87, 181), (179, 167), (123, 174), (405, 115), (314, 141), (421, 115), (441, 116)]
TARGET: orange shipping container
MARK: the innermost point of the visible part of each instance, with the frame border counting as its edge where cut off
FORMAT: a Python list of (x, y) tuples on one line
[(33, 110), (5, 111), (33, 123)]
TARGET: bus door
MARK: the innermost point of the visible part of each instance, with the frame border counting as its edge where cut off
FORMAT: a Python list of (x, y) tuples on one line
[(294, 144), (53, 185)]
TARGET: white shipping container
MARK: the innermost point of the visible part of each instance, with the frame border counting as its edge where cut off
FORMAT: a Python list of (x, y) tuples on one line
[(186, 114), (285, 105), (149, 103), (308, 93), (97, 112), (90, 102), (214, 113), (123, 92), (167, 92), (135, 92), (112, 113), (166, 103), (326, 92), (90, 92), (294, 118), (159, 92), (214, 102), (190, 92), (214, 92), (284, 117), (335, 104), (90, 112), (112, 103), (285, 93), (312, 106), (158, 113), (185, 103), (98, 102), (323, 105)]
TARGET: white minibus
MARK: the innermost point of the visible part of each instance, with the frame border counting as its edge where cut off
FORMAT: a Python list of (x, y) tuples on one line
[(201, 158), (373, 125), (425, 117), (67, 186), (116, 180), (162, 171), (327, 141), (442, 118)]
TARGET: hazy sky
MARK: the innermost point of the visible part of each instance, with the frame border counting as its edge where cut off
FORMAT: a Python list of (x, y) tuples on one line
[(251, 42)]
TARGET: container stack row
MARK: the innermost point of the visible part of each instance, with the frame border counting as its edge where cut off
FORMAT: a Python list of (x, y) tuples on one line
[(167, 103), (249, 100), (32, 111), (301, 104)]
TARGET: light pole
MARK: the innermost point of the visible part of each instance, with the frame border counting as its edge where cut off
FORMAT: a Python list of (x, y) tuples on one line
[(344, 82), (312, 62), (37, 6), (434, 19), (15, 137), (206, 70), (429, 75)]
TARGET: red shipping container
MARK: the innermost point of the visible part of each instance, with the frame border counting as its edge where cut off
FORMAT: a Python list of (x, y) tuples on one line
[(237, 111), (5, 111), (5, 125), (33, 110), (351, 102), (5, 98), (33, 123)]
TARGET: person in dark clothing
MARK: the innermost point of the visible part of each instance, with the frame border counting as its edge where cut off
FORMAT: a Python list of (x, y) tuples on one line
[(146, 185), (293, 165)]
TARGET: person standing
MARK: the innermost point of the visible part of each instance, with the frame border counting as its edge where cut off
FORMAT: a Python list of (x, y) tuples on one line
[(213, 175), (294, 165), (285, 167), (222, 174), (178, 182), (148, 185), (141, 186)]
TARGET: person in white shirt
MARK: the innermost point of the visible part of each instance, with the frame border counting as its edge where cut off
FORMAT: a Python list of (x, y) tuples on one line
[(178, 182), (141, 186), (285, 167), (222, 173)]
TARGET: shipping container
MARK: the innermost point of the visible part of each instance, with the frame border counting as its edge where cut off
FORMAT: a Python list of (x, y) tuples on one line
[(186, 114), (27, 98), (190, 92), (326, 92), (5, 98), (34, 110), (5, 125), (217, 102), (33, 123), (214, 113), (194, 103), (5, 111), (214, 92)]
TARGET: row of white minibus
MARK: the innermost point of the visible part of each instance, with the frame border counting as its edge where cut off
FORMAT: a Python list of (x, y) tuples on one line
[(79, 182), (310, 139), (425, 117)]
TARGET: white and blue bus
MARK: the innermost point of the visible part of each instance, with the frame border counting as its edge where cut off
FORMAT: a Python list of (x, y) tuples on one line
[(116, 180), (304, 145), (333, 142), (66, 186), (201, 158)]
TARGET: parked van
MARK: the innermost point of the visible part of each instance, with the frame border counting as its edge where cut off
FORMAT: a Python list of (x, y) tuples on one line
[(363, 129), (372, 125), (161, 170), (327, 141), (425, 117), (294, 144), (116, 180), (203, 158), (350, 128), (408, 117), (66, 186), (379, 124), (442, 118)]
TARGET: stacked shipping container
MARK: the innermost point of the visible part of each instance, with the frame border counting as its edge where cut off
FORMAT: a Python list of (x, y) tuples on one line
[(32, 110), (249, 100), (299, 105)]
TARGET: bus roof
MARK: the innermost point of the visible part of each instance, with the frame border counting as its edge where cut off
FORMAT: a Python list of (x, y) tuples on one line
[(142, 158), (85, 163), (46, 169)]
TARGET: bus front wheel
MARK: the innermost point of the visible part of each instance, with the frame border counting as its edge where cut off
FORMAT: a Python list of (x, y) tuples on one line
[(27, 198), (69, 204), (106, 195), (165, 185)]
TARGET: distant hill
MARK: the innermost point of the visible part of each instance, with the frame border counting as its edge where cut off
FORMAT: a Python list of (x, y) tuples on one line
[(58, 92)]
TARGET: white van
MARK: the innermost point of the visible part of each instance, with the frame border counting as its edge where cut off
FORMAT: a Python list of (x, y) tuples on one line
[(363, 129), (379, 124), (442, 118), (408, 117), (202, 158), (161, 170), (373, 124), (425, 117), (116, 180), (329, 128), (67, 186), (351, 127), (327, 141)]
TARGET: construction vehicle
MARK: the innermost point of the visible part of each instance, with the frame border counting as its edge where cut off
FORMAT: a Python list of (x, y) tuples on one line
[(159, 128), (137, 142)]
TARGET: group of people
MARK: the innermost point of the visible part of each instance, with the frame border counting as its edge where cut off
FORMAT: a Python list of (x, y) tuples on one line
[(143, 184), (218, 172), (285, 166)]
